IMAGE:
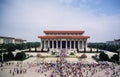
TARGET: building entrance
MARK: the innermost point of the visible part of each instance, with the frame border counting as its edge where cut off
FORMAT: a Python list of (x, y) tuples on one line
[(63, 44)]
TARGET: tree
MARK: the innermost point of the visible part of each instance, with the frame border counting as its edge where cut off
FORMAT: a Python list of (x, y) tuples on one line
[(103, 56), (10, 47), (2, 50), (36, 44), (29, 46), (21, 46)]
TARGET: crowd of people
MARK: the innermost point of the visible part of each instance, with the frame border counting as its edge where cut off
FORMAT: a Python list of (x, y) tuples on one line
[(63, 68)]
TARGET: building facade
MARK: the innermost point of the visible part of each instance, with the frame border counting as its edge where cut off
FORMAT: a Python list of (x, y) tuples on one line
[(60, 39), (115, 42), (20, 41), (6, 40)]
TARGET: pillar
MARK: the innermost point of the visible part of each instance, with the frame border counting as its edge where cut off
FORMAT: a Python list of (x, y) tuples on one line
[(44, 44), (66, 44), (82, 44), (52, 44), (60, 44), (48, 43), (56, 43), (74, 44), (78, 44), (70, 44), (85, 44)]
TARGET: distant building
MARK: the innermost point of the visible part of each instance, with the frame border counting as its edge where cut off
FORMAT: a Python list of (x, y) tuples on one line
[(115, 42), (19, 41), (13, 40), (6, 40)]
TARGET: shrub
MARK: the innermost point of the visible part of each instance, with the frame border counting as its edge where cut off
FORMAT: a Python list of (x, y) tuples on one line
[(31, 55), (83, 56), (39, 55), (20, 56), (72, 53), (10, 56), (95, 58), (53, 53), (103, 56), (5, 57), (115, 57)]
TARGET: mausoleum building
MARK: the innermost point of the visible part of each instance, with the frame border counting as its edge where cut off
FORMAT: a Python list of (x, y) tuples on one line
[(63, 39)]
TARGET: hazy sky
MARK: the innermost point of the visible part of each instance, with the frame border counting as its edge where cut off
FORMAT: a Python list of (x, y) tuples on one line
[(28, 18)]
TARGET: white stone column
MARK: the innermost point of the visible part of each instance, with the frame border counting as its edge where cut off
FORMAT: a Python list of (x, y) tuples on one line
[(78, 44), (57, 43), (60, 44), (44, 44), (52, 44), (70, 43), (66, 44), (74, 44), (48, 43), (82, 44), (85, 44)]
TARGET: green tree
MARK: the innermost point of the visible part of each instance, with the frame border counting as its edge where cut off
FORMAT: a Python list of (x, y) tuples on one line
[(2, 50), (10, 47), (29, 46), (36, 45)]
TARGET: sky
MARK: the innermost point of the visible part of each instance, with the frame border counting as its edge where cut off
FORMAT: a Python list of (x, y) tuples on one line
[(27, 19)]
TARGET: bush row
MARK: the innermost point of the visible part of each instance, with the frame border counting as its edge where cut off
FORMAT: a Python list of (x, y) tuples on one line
[(10, 56)]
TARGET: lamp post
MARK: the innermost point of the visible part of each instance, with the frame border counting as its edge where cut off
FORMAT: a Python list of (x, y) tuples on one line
[(118, 51)]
